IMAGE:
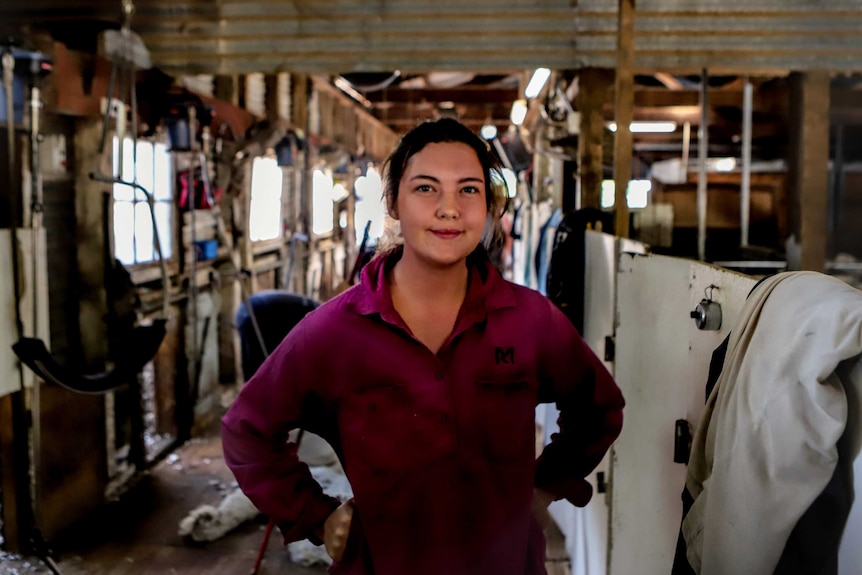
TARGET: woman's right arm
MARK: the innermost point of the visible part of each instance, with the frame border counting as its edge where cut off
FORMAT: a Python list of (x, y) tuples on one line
[(281, 396)]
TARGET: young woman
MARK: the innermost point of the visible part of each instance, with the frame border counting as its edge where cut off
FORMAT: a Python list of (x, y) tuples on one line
[(424, 378)]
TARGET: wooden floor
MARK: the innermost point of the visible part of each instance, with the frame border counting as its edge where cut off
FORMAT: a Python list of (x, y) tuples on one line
[(137, 535)]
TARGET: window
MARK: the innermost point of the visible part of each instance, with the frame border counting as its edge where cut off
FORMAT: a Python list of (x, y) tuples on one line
[(369, 205), (133, 224), (322, 194), (265, 211), (637, 193)]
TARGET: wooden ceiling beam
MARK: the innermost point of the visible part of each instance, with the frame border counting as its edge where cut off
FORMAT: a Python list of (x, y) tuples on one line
[(670, 81), (474, 95)]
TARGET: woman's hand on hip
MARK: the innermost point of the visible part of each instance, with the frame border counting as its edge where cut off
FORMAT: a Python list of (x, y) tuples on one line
[(336, 529)]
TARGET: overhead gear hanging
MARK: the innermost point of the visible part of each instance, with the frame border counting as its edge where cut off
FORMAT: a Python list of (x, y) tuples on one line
[(140, 345)]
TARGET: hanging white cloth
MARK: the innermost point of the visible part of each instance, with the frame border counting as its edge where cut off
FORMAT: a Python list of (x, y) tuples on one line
[(767, 443)]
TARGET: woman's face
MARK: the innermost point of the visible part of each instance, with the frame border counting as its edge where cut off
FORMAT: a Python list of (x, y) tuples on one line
[(441, 204)]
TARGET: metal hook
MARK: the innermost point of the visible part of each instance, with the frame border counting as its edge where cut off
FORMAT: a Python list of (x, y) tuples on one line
[(707, 291)]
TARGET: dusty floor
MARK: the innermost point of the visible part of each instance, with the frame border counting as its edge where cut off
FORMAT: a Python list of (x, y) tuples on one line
[(138, 534)]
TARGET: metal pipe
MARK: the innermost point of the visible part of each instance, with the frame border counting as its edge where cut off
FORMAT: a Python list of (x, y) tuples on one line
[(192, 306), (702, 149), (36, 212), (745, 191)]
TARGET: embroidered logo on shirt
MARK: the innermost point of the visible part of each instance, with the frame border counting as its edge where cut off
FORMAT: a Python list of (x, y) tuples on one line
[(504, 355)]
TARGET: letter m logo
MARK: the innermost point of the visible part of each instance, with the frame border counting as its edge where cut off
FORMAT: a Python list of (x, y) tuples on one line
[(504, 355)]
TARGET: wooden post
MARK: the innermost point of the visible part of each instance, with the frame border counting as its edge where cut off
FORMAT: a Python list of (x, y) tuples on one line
[(246, 253), (17, 511), (810, 155), (270, 96), (745, 184), (277, 96), (226, 88), (90, 232), (593, 85), (301, 93), (624, 112), (298, 99), (702, 156)]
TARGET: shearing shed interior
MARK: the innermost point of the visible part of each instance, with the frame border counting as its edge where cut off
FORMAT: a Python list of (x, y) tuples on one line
[(684, 182)]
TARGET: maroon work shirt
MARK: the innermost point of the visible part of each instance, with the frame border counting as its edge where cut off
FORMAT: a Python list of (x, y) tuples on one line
[(439, 449)]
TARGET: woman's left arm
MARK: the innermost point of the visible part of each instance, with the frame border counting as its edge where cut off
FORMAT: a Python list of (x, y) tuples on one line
[(283, 394), (590, 405)]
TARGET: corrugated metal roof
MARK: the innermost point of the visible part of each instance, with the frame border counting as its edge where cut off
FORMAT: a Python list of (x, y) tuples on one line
[(241, 36), (736, 35)]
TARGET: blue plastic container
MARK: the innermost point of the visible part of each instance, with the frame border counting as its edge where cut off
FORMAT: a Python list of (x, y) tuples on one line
[(206, 250)]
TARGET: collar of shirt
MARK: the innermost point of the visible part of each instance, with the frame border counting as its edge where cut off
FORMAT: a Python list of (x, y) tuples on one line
[(487, 290)]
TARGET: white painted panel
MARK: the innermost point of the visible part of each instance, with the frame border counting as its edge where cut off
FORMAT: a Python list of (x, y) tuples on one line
[(732, 291), (30, 285), (662, 362), (586, 529)]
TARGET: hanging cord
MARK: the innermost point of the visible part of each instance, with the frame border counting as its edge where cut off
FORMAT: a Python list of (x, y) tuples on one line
[(128, 8), (157, 244), (125, 65), (133, 113), (263, 544)]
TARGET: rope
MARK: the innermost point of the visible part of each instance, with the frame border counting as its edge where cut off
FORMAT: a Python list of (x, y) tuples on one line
[(256, 569)]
